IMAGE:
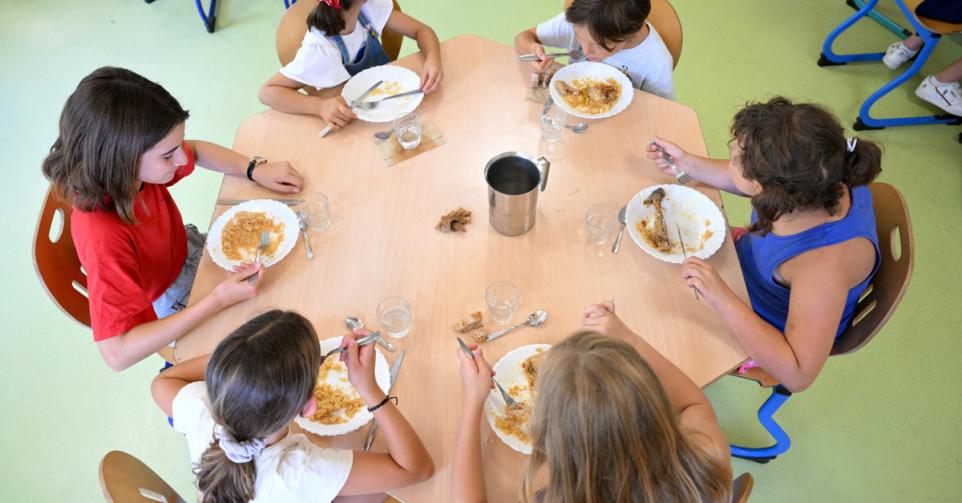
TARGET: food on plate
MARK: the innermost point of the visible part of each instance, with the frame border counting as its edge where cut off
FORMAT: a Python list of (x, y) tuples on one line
[(588, 95), (454, 221), (388, 88), (514, 419), (530, 367), (242, 234), (335, 404), (655, 233)]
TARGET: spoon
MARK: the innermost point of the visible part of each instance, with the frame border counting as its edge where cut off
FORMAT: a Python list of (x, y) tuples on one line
[(535, 319), (363, 341), (623, 218), (356, 324), (577, 128), (383, 135)]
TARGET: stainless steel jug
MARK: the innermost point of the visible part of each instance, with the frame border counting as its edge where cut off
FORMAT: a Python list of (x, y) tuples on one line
[(513, 180)]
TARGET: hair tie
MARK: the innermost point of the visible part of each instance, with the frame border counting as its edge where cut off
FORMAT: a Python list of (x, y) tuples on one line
[(850, 144), (334, 4), (238, 452)]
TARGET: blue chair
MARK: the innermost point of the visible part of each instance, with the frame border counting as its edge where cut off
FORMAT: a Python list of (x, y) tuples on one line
[(897, 246), (209, 17), (929, 30)]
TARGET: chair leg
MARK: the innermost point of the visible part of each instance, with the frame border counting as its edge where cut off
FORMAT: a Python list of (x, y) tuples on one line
[(829, 58), (210, 17), (881, 19), (779, 396)]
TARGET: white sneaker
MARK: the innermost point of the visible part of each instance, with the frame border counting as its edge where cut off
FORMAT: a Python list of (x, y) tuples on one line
[(897, 54), (948, 97)]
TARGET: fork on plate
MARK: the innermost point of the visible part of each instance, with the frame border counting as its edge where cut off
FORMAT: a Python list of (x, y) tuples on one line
[(264, 243)]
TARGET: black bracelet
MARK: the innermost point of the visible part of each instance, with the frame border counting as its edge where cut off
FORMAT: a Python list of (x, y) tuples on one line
[(378, 406), (250, 169)]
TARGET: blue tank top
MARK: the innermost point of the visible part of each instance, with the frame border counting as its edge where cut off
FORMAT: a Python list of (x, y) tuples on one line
[(760, 256)]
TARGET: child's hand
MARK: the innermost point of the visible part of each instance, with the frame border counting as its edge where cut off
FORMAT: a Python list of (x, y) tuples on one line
[(278, 176), (475, 376), (432, 75), (241, 285), (336, 112), (704, 277), (542, 65), (360, 367), (680, 156), (601, 318)]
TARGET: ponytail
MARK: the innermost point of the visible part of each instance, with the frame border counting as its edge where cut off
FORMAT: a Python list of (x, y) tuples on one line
[(219, 479), (863, 164), (328, 19)]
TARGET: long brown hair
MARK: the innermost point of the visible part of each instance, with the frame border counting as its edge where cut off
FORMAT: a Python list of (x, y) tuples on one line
[(258, 380), (798, 153), (110, 120), (606, 431), (328, 19), (609, 20)]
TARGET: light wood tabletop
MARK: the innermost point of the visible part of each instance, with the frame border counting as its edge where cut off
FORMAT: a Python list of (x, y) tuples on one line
[(383, 243)]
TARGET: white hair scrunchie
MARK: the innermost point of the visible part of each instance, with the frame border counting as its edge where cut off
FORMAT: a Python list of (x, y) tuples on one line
[(851, 142), (238, 452)]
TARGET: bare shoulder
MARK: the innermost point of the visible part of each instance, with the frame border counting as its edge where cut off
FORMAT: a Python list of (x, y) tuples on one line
[(851, 260)]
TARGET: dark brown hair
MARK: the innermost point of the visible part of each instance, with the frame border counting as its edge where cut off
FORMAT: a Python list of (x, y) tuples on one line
[(605, 429), (110, 120), (258, 379), (328, 19), (798, 153), (609, 20)]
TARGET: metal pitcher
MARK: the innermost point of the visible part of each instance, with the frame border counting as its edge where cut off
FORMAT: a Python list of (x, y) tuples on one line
[(513, 179)]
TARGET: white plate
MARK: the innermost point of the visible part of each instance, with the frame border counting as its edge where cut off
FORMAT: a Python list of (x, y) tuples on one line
[(277, 211), (597, 71), (381, 374), (397, 80), (509, 373), (691, 210)]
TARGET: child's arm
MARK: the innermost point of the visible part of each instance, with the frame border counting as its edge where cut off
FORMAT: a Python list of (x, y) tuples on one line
[(427, 42), (467, 476), (168, 383), (714, 172), (407, 460), (692, 406), (527, 42), (122, 351), (281, 94), (279, 176)]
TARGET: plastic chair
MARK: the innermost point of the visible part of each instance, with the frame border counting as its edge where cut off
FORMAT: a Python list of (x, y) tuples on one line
[(931, 32), (56, 262), (209, 18), (881, 298), (293, 26), (742, 488), (126, 479), (665, 19)]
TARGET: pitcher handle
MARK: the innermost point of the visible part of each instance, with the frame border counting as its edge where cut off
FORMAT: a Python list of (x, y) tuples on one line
[(544, 166)]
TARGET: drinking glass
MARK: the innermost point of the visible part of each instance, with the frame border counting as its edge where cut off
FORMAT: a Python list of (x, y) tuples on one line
[(394, 315), (407, 130), (553, 122), (502, 299), (318, 211), (600, 221)]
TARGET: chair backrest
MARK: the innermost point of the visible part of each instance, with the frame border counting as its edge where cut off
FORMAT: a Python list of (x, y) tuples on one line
[(126, 479), (293, 26), (56, 262), (665, 19), (897, 246), (742, 488), (940, 27)]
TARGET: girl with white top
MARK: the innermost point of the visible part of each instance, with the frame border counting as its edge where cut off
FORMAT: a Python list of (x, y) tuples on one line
[(341, 40), (237, 419)]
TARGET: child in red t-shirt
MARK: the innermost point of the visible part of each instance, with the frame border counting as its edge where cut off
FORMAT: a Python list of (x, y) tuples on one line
[(121, 144)]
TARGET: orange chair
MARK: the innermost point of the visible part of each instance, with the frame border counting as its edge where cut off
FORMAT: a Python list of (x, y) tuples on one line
[(742, 488), (56, 262)]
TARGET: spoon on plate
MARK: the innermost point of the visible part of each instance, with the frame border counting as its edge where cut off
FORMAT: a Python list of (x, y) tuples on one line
[(535, 319), (356, 324)]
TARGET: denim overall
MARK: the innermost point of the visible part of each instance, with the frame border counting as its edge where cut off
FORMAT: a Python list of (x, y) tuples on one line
[(370, 54)]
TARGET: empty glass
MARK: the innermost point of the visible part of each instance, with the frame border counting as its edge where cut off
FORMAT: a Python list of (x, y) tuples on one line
[(407, 130), (318, 211), (600, 221), (394, 314), (553, 122), (502, 299)]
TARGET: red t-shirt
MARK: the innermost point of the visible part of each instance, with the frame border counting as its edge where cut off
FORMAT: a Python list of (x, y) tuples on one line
[(131, 265)]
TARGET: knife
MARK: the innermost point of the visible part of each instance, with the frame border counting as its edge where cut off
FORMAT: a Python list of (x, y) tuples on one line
[(231, 202), (399, 95), (685, 253), (353, 104), (534, 57), (395, 368)]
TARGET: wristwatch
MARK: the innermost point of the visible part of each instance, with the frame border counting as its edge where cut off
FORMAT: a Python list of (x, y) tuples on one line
[(255, 162)]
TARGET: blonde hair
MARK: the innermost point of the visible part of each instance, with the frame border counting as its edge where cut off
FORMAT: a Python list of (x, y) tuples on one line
[(605, 430)]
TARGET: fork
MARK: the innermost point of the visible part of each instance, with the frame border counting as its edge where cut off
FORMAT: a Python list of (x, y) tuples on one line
[(685, 254), (264, 243), (368, 105), (363, 341), (508, 400)]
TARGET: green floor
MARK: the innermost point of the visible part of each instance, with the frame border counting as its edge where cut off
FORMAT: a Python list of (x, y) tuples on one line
[(882, 425)]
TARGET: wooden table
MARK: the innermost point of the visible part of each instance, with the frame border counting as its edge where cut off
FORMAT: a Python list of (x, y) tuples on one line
[(383, 242)]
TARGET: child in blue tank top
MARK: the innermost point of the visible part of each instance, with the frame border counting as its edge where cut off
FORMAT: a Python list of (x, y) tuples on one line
[(811, 248)]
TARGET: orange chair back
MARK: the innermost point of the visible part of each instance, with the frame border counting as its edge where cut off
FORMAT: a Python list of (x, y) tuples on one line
[(126, 479), (56, 261), (742, 488)]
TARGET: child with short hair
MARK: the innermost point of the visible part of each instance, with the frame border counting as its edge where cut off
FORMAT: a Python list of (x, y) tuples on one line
[(613, 421), (615, 32), (812, 247), (342, 40), (121, 144), (235, 407)]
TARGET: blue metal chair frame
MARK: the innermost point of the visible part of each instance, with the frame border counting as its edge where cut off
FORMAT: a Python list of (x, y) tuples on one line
[(865, 119), (881, 19), (779, 396), (209, 17)]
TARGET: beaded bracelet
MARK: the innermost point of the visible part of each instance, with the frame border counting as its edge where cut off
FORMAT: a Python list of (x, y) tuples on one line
[(378, 406)]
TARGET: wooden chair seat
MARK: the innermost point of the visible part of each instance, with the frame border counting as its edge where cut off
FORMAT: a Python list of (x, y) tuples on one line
[(935, 26), (56, 262), (742, 488), (126, 479)]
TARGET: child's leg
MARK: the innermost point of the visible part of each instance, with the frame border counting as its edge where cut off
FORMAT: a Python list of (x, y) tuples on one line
[(951, 74), (176, 296), (914, 42)]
